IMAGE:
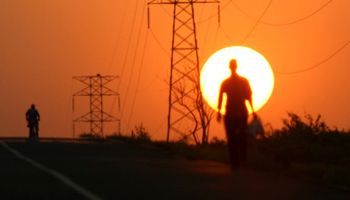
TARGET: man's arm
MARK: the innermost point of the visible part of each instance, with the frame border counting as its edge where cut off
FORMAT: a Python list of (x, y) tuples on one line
[(250, 99), (38, 115), (221, 93), (27, 116)]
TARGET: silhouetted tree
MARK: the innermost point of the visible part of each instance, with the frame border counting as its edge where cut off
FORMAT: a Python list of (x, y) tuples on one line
[(199, 111)]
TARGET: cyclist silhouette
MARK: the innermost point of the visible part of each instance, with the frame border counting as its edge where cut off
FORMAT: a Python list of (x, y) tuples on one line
[(33, 118)]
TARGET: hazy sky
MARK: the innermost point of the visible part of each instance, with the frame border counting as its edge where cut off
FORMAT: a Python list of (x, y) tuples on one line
[(44, 43)]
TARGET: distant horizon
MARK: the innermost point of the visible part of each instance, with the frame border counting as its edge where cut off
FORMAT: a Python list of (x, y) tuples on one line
[(45, 43)]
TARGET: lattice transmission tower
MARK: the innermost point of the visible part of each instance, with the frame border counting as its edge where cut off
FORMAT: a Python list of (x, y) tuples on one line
[(186, 112), (96, 89)]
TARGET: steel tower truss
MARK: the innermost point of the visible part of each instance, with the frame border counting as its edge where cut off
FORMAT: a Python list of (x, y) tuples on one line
[(95, 87), (185, 99)]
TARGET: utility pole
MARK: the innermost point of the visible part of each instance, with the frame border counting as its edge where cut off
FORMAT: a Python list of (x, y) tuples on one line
[(186, 107), (95, 87)]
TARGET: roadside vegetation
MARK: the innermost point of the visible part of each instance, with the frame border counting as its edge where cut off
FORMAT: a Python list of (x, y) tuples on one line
[(305, 148)]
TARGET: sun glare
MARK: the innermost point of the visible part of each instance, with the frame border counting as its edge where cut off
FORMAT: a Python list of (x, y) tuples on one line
[(251, 65)]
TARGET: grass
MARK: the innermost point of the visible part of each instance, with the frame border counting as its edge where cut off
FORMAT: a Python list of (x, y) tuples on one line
[(304, 148), (320, 157)]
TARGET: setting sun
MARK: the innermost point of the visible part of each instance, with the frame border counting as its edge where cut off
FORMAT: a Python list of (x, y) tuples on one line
[(251, 65)]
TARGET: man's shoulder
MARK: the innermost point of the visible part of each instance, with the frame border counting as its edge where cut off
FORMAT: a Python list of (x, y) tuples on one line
[(235, 80), (225, 82), (243, 79), (32, 111)]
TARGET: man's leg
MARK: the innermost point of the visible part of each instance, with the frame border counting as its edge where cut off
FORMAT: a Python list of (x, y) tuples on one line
[(36, 129), (242, 140), (235, 148), (31, 131), (232, 143)]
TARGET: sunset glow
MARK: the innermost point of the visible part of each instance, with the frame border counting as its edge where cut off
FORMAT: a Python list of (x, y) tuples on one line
[(251, 65), (45, 43)]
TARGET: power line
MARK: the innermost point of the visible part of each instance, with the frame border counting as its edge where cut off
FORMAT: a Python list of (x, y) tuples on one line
[(159, 43), (317, 64), (259, 20), (125, 59), (252, 29), (116, 45), (215, 15), (256, 23), (126, 55), (285, 23), (134, 59), (137, 81), (129, 40), (226, 34), (167, 12), (115, 50), (206, 36)]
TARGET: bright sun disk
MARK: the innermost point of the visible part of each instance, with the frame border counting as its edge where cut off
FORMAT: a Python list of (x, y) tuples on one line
[(251, 65)]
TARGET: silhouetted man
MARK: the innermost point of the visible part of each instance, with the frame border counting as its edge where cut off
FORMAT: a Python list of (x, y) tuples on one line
[(237, 90), (33, 118)]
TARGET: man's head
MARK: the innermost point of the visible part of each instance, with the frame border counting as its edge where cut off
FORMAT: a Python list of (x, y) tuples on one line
[(233, 66), (32, 106)]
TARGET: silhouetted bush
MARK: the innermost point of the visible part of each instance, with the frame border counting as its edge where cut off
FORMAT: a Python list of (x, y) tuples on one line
[(303, 147), (90, 136), (140, 133), (296, 125), (216, 142), (307, 146)]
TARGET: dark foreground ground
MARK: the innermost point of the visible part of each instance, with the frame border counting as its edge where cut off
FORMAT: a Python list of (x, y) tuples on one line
[(120, 170)]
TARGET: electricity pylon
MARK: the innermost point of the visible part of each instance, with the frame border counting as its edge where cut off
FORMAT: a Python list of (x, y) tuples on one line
[(95, 87), (186, 107)]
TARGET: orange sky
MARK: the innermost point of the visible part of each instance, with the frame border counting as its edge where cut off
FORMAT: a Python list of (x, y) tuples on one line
[(44, 43)]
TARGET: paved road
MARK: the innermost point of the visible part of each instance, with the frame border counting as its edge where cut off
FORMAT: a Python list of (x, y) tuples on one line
[(128, 171)]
